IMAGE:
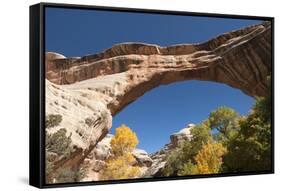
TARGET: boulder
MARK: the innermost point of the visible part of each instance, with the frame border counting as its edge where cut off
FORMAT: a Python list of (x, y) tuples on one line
[(181, 136), (142, 157), (103, 148)]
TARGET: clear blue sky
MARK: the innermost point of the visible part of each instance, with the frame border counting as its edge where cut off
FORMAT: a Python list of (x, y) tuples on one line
[(166, 109)]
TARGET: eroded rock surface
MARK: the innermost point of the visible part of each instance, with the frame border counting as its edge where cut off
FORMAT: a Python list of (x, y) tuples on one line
[(159, 158), (95, 161), (142, 157), (181, 136), (88, 91)]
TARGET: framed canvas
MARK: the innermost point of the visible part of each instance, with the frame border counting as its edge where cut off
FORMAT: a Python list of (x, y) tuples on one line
[(122, 95)]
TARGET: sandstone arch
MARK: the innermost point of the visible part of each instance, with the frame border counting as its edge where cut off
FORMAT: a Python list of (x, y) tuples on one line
[(100, 85)]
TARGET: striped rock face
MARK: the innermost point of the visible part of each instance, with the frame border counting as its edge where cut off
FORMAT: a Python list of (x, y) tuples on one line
[(99, 86)]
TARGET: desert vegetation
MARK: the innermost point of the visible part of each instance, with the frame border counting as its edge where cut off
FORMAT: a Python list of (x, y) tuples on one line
[(226, 142), (121, 164), (58, 146)]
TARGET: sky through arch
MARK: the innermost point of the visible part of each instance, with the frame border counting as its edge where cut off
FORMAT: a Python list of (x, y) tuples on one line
[(169, 108)]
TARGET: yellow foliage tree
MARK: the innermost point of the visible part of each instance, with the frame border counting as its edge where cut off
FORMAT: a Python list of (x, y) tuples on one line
[(209, 159), (120, 165), (125, 140)]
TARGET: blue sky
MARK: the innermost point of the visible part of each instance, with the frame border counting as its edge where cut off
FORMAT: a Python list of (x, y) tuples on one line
[(166, 109)]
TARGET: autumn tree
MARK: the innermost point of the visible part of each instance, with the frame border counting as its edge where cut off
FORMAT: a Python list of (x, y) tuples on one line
[(120, 167), (124, 140), (209, 159), (120, 164)]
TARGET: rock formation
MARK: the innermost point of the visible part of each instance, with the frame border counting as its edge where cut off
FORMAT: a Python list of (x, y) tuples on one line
[(88, 91), (142, 157), (181, 136), (95, 161), (159, 157), (149, 164)]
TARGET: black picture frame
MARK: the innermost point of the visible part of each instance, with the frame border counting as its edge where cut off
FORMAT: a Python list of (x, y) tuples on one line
[(37, 93)]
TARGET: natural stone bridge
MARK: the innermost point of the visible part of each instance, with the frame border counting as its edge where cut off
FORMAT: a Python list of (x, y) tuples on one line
[(100, 85)]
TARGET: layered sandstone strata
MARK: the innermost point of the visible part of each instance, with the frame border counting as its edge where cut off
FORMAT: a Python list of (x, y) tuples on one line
[(96, 87)]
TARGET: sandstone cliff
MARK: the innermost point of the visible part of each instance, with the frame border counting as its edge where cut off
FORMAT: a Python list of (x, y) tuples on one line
[(93, 88)]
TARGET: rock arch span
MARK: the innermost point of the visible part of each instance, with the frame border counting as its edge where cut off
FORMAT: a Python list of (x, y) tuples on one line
[(100, 85)]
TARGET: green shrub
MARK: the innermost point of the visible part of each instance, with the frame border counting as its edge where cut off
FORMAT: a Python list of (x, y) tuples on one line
[(65, 175), (48, 170), (53, 120), (58, 142)]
